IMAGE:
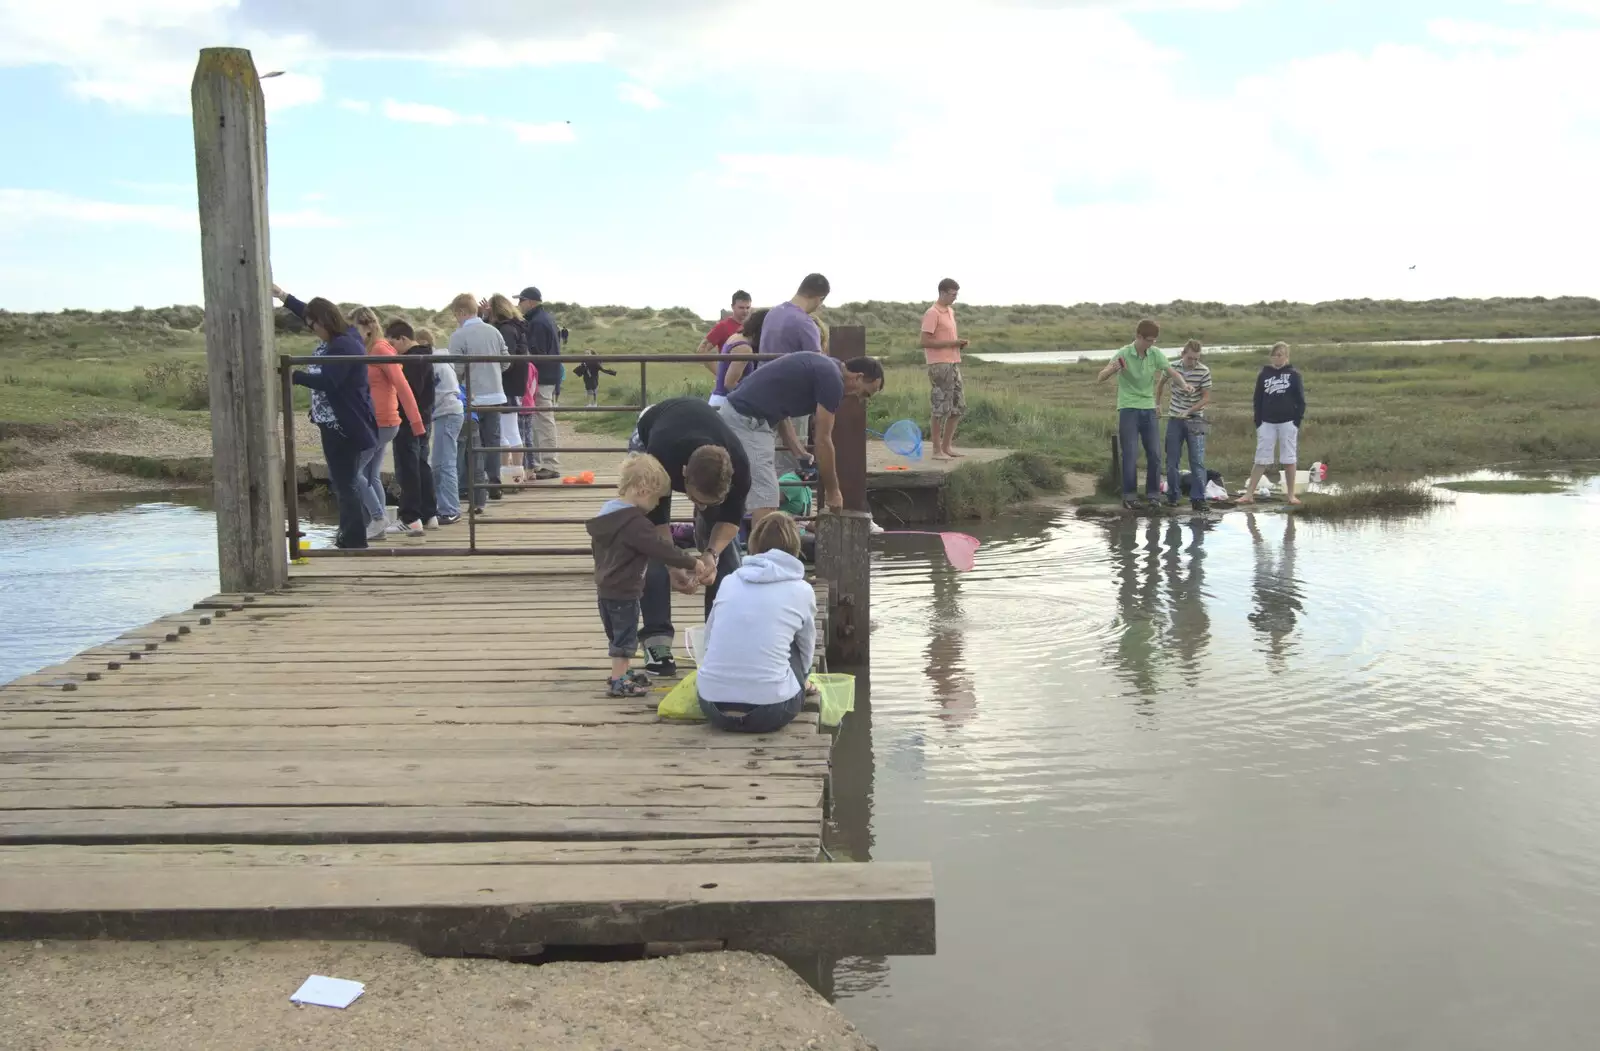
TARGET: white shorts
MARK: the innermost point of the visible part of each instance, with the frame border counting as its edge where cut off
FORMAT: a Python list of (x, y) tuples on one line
[(757, 438), (1277, 443), (510, 437)]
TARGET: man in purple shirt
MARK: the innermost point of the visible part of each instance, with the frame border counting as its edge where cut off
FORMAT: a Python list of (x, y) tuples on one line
[(790, 327)]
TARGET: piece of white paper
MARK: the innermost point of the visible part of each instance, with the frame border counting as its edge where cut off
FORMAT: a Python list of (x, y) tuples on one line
[(323, 991)]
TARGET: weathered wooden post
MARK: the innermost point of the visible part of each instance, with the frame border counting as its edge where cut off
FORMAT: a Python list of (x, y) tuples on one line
[(843, 549), (230, 153)]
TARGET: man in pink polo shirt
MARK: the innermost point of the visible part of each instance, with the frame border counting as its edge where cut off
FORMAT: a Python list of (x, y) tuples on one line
[(943, 350)]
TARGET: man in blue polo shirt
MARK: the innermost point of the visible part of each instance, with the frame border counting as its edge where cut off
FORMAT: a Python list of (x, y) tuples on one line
[(796, 385)]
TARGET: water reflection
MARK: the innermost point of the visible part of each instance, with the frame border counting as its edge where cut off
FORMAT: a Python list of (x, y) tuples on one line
[(1161, 817), (946, 651), (1161, 618), (1276, 591)]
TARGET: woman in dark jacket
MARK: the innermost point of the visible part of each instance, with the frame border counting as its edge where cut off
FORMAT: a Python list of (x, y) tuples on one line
[(503, 315), (341, 407)]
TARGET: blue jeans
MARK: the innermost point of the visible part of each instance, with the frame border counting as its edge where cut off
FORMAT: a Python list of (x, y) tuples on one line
[(342, 458), (1137, 427), (760, 718), (369, 474), (446, 430), (658, 629), (1179, 433)]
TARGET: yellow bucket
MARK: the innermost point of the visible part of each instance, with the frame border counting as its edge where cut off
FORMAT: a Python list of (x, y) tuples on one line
[(837, 696)]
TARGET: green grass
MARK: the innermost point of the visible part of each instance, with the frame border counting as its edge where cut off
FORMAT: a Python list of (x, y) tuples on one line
[(979, 491), (1364, 501), (188, 469), (1374, 411), (1507, 485)]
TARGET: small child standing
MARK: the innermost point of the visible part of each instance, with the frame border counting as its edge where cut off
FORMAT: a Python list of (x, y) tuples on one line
[(590, 371), (624, 541)]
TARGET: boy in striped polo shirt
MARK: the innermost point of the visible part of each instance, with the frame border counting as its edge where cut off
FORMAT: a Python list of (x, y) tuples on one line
[(1187, 424)]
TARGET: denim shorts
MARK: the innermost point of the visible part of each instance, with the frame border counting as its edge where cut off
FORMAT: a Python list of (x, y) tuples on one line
[(621, 620)]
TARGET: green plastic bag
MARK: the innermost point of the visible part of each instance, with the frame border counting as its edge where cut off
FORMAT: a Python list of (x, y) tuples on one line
[(682, 702), (795, 495), (836, 696)]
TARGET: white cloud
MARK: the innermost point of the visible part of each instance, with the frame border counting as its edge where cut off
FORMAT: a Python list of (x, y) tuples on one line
[(36, 207), (423, 113), (28, 207), (355, 105), (550, 131), (291, 89), (639, 95), (440, 116)]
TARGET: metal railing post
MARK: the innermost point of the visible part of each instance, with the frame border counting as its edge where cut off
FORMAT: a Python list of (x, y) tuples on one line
[(472, 461), (644, 388), (291, 472)]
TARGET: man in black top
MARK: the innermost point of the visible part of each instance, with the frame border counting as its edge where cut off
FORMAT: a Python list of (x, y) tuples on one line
[(708, 465), (544, 338)]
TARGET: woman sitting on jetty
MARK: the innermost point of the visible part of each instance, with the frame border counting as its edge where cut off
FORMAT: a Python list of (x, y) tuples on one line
[(341, 407), (760, 636)]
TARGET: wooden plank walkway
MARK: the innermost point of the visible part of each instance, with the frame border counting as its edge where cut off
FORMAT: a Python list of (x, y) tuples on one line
[(390, 736)]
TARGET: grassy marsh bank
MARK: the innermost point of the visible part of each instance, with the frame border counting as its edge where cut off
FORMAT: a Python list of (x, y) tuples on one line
[(1373, 410)]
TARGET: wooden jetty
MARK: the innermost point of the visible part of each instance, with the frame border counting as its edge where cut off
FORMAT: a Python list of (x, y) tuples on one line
[(417, 748), (412, 748)]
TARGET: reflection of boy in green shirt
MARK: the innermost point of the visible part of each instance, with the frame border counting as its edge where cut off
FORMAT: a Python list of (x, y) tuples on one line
[(1136, 367)]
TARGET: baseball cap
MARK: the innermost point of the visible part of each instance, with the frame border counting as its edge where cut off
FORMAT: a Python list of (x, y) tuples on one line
[(531, 293)]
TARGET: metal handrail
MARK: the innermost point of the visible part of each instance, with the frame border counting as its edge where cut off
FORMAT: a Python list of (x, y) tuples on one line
[(288, 362)]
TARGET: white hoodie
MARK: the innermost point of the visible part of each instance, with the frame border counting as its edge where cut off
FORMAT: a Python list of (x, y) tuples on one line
[(764, 610)]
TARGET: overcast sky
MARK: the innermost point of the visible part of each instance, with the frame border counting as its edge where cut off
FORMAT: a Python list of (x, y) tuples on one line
[(1036, 150)]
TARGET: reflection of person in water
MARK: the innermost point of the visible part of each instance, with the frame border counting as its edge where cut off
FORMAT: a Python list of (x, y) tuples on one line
[(947, 666), (1191, 624), (1277, 593), (1138, 599)]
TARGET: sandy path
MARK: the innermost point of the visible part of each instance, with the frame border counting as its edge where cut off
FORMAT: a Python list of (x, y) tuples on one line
[(188, 996)]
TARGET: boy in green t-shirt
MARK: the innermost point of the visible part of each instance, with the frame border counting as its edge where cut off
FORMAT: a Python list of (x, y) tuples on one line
[(1136, 367)]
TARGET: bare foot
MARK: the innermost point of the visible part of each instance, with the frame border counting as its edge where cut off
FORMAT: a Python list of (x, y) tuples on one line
[(953, 454), (1295, 500), (1246, 499), (940, 456)]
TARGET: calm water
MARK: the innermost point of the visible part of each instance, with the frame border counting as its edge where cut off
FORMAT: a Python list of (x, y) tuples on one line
[(1068, 357), (77, 569), (1250, 785), (1256, 785)]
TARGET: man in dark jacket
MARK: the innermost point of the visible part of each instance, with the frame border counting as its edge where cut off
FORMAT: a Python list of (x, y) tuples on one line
[(1280, 407), (544, 338)]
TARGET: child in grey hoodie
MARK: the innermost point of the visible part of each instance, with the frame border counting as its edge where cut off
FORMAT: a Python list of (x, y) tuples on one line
[(761, 635), (624, 541)]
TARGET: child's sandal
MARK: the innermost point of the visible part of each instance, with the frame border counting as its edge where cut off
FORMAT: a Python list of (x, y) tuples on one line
[(625, 688)]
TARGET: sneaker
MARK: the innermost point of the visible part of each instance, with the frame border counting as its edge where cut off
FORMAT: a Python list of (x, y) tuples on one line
[(545, 474), (495, 494), (1200, 506), (414, 529), (396, 529), (432, 523), (377, 528), (1130, 504), (658, 661), (446, 520), (626, 687)]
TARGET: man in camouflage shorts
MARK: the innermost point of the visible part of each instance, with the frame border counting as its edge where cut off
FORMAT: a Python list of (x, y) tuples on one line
[(943, 347)]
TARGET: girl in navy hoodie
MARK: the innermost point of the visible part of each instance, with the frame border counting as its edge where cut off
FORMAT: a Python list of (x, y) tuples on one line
[(341, 407), (1280, 407)]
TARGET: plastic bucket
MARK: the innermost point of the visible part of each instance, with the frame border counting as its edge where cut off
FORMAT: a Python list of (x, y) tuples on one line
[(837, 696), (694, 640)]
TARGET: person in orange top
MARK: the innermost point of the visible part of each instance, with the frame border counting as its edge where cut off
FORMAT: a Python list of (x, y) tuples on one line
[(943, 350), (390, 394)]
